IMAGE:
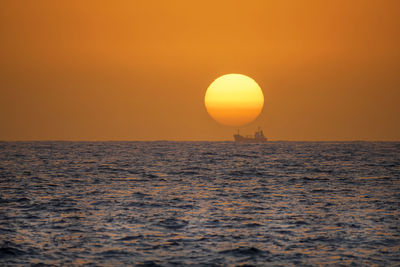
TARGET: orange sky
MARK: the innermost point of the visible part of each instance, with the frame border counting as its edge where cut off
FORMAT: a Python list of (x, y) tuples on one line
[(138, 70)]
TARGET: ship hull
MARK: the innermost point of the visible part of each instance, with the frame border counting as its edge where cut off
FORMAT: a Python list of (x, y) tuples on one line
[(242, 139)]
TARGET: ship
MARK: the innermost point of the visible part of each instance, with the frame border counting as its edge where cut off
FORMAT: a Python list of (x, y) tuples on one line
[(258, 137)]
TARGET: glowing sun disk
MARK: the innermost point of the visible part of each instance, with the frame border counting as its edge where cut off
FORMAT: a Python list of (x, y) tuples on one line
[(234, 100)]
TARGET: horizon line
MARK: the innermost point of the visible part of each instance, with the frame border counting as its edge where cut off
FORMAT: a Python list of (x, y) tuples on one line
[(172, 140)]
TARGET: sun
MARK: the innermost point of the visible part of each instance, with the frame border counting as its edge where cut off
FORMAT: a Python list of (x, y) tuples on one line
[(234, 100)]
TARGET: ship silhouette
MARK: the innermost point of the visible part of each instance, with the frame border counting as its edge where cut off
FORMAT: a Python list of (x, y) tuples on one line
[(258, 137)]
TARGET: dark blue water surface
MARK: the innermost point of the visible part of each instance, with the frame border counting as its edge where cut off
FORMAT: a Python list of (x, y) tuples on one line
[(199, 203)]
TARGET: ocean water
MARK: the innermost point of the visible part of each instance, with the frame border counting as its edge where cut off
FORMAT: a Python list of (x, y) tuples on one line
[(199, 203)]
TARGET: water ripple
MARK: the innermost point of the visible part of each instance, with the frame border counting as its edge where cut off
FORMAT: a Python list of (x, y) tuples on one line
[(199, 203)]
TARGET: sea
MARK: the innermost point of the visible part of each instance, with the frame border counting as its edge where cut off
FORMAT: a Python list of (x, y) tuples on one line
[(199, 204)]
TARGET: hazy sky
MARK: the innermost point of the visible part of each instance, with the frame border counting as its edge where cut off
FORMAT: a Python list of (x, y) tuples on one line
[(138, 70)]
